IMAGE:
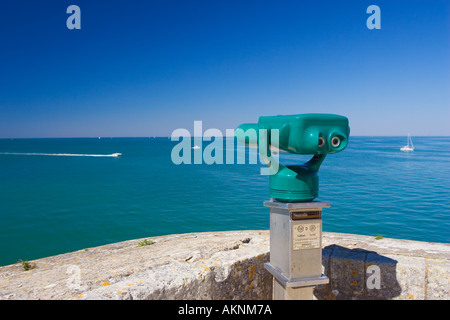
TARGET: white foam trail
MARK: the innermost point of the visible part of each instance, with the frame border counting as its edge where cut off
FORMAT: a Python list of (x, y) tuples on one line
[(62, 154)]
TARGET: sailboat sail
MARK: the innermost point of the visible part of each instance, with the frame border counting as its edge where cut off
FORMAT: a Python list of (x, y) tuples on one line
[(409, 146)]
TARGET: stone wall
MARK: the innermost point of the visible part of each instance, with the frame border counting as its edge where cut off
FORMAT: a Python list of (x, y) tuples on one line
[(230, 265), (406, 269)]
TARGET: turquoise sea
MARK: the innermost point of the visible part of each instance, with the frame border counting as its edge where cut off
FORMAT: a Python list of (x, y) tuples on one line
[(68, 200)]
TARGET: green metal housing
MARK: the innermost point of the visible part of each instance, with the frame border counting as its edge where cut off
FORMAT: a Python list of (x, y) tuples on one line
[(315, 133)]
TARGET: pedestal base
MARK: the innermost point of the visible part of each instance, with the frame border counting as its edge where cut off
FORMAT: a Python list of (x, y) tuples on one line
[(295, 248)]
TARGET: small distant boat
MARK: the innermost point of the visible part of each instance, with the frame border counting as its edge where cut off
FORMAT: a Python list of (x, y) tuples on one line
[(195, 147), (117, 154), (409, 147)]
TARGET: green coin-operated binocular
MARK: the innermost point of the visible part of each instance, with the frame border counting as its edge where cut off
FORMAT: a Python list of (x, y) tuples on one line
[(316, 134)]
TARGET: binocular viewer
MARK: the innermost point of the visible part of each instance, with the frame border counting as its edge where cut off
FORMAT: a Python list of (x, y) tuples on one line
[(315, 133)]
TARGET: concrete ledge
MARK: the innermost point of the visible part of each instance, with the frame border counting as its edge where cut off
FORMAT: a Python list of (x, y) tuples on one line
[(230, 265)]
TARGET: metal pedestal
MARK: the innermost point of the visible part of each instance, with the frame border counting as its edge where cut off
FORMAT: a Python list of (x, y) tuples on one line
[(295, 248)]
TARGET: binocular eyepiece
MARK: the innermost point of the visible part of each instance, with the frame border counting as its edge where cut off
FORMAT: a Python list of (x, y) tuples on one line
[(316, 134)]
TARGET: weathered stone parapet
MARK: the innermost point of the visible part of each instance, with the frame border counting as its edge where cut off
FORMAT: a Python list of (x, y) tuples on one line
[(229, 265), (210, 265), (361, 267)]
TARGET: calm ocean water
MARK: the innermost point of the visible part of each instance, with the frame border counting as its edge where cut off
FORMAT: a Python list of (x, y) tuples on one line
[(55, 204)]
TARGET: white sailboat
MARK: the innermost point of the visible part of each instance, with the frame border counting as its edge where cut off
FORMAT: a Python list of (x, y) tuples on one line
[(409, 147)]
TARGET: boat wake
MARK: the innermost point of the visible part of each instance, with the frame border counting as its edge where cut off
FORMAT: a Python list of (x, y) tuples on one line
[(115, 155)]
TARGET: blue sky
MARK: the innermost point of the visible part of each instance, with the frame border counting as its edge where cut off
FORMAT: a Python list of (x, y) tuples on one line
[(145, 68)]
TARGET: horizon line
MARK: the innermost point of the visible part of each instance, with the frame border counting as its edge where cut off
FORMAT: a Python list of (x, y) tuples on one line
[(153, 137)]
